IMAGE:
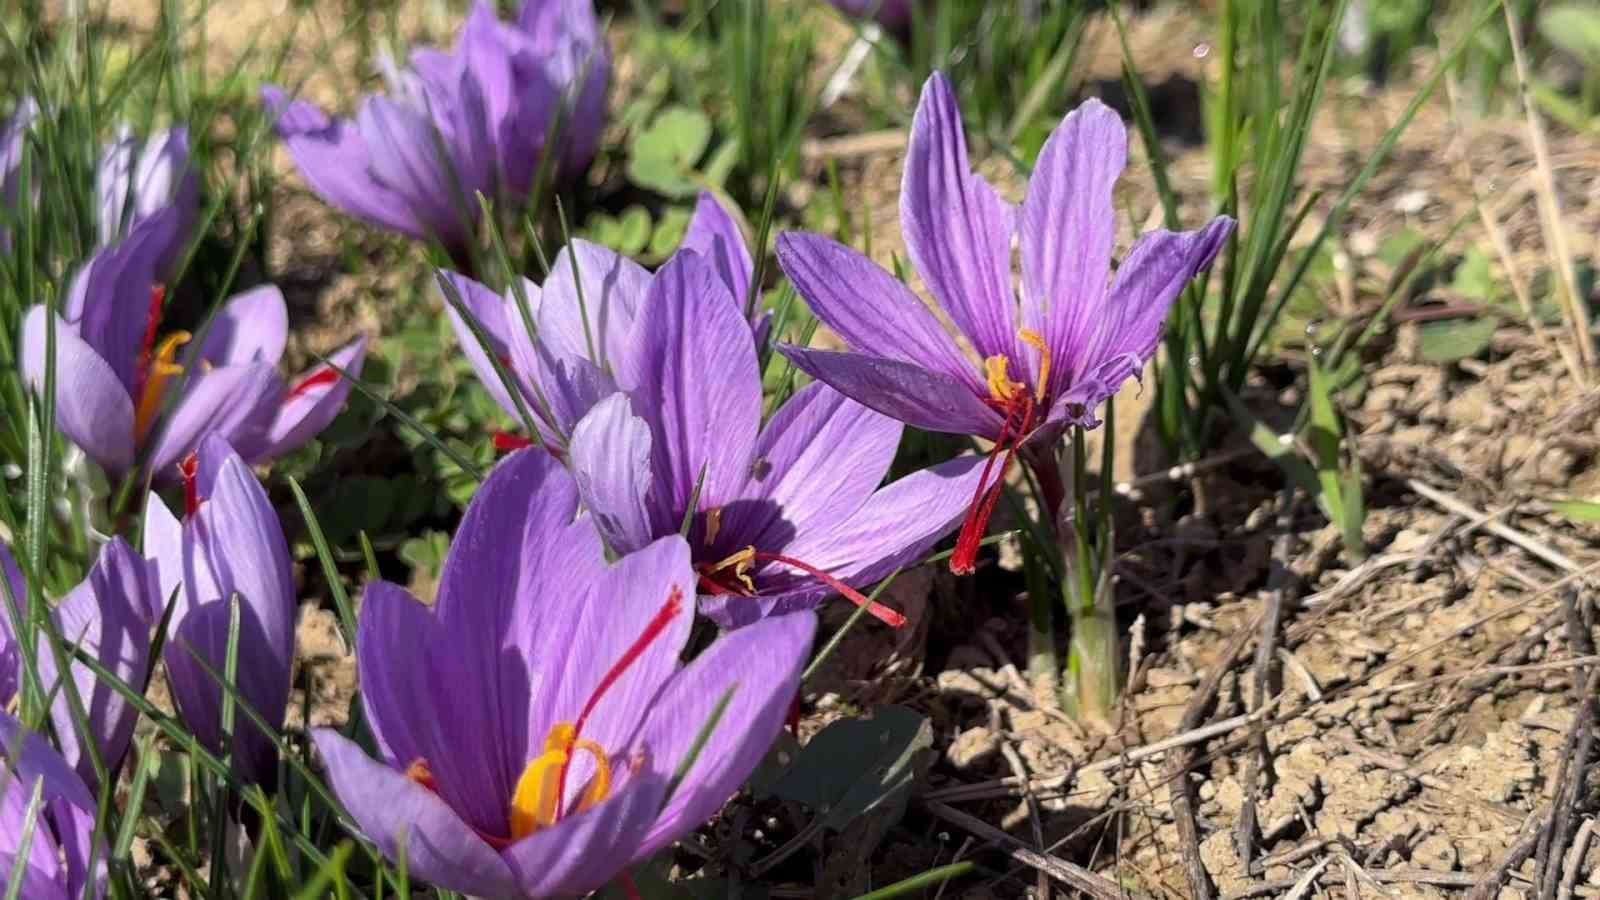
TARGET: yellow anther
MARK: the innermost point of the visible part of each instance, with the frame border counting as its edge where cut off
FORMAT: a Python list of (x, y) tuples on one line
[(536, 802), (996, 370), (740, 563), (713, 524), (163, 368), (1034, 340)]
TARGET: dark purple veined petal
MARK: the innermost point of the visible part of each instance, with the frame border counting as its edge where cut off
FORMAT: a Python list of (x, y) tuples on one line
[(93, 408), (920, 397), (251, 327), (237, 403), (714, 234), (313, 401), (610, 459)]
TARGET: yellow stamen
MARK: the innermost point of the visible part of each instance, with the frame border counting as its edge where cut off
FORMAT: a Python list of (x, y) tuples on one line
[(163, 368), (740, 563), (536, 802), (996, 370), (713, 525), (1032, 339)]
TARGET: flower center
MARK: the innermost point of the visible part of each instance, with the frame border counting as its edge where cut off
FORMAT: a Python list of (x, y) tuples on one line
[(536, 803), (1020, 409), (731, 576), (157, 367)]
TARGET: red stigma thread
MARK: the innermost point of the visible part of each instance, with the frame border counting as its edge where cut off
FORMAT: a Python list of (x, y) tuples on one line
[(965, 560), (320, 378), (147, 346), (656, 627), (190, 469), (875, 609), (629, 888), (506, 442)]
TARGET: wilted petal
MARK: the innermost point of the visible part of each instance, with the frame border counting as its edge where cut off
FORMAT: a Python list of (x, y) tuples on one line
[(251, 327), (693, 375), (584, 851), (761, 666), (957, 230), (334, 159), (391, 810), (869, 308), (234, 402), (932, 401), (610, 460), (715, 235), (1068, 229), (314, 400), (92, 407)]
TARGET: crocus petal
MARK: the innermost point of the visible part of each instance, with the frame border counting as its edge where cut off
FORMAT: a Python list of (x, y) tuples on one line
[(108, 299), (148, 176), (314, 400), (872, 310), (693, 375), (957, 229), (584, 851), (251, 327), (1068, 228), (10, 658), (404, 147), (610, 459), (922, 398), (817, 461), (183, 573), (70, 806), (488, 310), (596, 320), (235, 402), (761, 666), (568, 386), (106, 616), (92, 407), (199, 643), (714, 234), (391, 809), (393, 624), (334, 159)]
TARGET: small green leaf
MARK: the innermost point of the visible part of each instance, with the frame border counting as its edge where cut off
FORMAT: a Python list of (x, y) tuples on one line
[(1574, 28), (859, 766), (1577, 510), (1455, 339), (1473, 278), (663, 156)]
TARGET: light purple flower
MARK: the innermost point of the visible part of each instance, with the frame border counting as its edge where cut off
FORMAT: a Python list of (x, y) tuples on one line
[(894, 15), (529, 726), (109, 617), (13, 137), (458, 123), (57, 862), (568, 368), (789, 512), (116, 372), (228, 544), (138, 178), (1050, 357)]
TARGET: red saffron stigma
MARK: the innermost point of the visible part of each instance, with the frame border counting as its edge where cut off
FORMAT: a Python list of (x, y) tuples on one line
[(320, 378), (506, 442), (147, 346), (629, 887), (656, 627), (965, 560), (190, 469), (792, 721), (875, 609)]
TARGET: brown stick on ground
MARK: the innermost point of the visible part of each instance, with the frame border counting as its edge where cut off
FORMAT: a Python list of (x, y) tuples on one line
[(1575, 765), (1280, 583), (1180, 758), (1074, 876), (1527, 841)]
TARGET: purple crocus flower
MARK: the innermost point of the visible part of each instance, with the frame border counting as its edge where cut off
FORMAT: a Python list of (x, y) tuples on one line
[(229, 543), (108, 616), (894, 15), (1049, 359), (789, 512), (529, 725), (115, 371), (13, 137), (568, 368), (139, 178), (57, 862), (459, 123)]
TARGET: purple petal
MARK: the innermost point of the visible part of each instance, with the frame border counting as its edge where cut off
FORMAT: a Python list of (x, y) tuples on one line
[(109, 300), (70, 806), (490, 312), (869, 308), (584, 851), (390, 808), (314, 401), (92, 407), (203, 635), (817, 460), (598, 320), (715, 235), (395, 626), (251, 327), (10, 656), (183, 573), (761, 665), (234, 402), (932, 401), (106, 616), (150, 176), (693, 375), (405, 146), (957, 230), (568, 386), (1068, 229), (334, 159), (610, 458)]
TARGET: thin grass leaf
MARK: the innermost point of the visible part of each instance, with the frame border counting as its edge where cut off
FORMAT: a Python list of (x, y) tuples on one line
[(465, 465), (330, 569)]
